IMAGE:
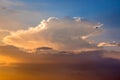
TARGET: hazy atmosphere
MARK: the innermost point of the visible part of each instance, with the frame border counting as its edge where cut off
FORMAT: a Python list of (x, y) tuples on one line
[(59, 40)]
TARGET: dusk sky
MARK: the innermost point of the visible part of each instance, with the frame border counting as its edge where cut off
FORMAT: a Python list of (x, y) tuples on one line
[(59, 40)]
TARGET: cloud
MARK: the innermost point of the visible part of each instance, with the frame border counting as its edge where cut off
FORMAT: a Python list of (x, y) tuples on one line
[(14, 16), (103, 44), (60, 34), (47, 55), (14, 13), (112, 54), (60, 66), (98, 30)]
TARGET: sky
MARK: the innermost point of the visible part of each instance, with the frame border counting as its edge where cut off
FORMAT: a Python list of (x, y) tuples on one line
[(59, 39)]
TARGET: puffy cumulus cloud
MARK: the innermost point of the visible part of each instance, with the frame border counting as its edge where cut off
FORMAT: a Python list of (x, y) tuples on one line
[(60, 34), (7, 25), (16, 14)]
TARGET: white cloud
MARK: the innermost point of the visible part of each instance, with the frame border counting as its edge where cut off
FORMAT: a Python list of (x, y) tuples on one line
[(61, 34)]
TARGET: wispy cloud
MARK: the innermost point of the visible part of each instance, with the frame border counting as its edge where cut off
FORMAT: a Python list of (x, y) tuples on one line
[(103, 44)]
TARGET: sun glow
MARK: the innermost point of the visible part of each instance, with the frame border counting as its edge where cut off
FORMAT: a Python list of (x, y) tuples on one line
[(6, 60)]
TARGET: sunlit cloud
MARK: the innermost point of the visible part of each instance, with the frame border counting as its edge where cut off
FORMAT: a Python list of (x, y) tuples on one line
[(103, 44), (60, 34), (36, 46)]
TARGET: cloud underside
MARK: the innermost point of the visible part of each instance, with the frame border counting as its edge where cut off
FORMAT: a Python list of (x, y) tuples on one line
[(87, 65), (12, 54), (60, 34), (96, 71)]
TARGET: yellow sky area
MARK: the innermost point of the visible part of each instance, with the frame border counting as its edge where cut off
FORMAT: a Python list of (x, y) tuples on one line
[(6, 60)]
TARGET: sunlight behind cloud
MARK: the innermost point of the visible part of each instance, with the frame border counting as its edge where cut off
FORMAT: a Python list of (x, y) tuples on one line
[(7, 61)]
